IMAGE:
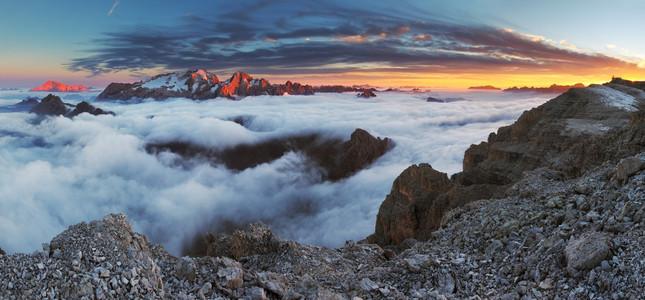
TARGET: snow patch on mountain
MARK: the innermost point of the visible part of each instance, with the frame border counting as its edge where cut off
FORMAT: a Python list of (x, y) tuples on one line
[(615, 98)]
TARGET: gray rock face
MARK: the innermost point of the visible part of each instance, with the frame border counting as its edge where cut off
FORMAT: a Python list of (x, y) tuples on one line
[(587, 251), (256, 239)]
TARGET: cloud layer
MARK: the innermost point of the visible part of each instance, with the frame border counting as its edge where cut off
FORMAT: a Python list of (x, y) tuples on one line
[(291, 37), (59, 171)]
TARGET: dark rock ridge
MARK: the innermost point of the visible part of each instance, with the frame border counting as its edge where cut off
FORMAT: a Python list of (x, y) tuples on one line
[(553, 89), (336, 158), (366, 94), (52, 105), (340, 89), (200, 85), (29, 101), (484, 87), (575, 131), (444, 100)]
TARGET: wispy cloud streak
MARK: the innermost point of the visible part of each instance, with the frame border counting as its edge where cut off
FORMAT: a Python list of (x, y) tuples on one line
[(284, 37)]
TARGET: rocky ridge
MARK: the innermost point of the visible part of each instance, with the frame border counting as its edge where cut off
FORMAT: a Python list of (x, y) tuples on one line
[(52, 105)]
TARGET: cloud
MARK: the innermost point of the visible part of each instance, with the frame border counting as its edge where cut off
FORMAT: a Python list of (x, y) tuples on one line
[(59, 172), (288, 37), (115, 3)]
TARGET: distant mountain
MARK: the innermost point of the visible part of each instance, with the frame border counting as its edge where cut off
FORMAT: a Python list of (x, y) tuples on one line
[(553, 89), (484, 87), (201, 84), (55, 86)]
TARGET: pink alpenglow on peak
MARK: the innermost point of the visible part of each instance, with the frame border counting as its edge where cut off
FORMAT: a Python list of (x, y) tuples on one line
[(55, 86)]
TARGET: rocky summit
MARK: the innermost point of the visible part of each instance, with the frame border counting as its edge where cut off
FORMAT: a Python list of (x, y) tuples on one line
[(550, 207)]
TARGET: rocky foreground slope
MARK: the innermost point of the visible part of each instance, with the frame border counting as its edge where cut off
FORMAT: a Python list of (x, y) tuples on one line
[(564, 221)]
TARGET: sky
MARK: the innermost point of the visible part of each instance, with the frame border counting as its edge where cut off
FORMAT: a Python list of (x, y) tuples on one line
[(436, 44)]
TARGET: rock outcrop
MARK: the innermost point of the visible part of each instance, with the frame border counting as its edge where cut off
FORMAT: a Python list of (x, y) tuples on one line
[(85, 107), (52, 105), (200, 85), (366, 94), (414, 192), (573, 132), (256, 239), (360, 151), (337, 159)]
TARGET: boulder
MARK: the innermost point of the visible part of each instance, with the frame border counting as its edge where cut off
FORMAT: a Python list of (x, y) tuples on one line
[(254, 240), (51, 105), (587, 251), (626, 168), (2, 252)]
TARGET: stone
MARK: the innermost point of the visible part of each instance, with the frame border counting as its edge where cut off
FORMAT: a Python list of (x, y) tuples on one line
[(546, 284), (587, 251), (231, 277), (626, 168), (185, 269), (256, 293), (368, 285)]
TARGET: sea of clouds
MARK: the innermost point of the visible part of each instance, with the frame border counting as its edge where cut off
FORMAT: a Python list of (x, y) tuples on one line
[(57, 172)]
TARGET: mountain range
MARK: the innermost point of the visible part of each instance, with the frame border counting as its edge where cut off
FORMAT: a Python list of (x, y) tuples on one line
[(55, 86)]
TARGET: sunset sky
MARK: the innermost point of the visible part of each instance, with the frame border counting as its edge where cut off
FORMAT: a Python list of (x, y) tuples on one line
[(437, 44)]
